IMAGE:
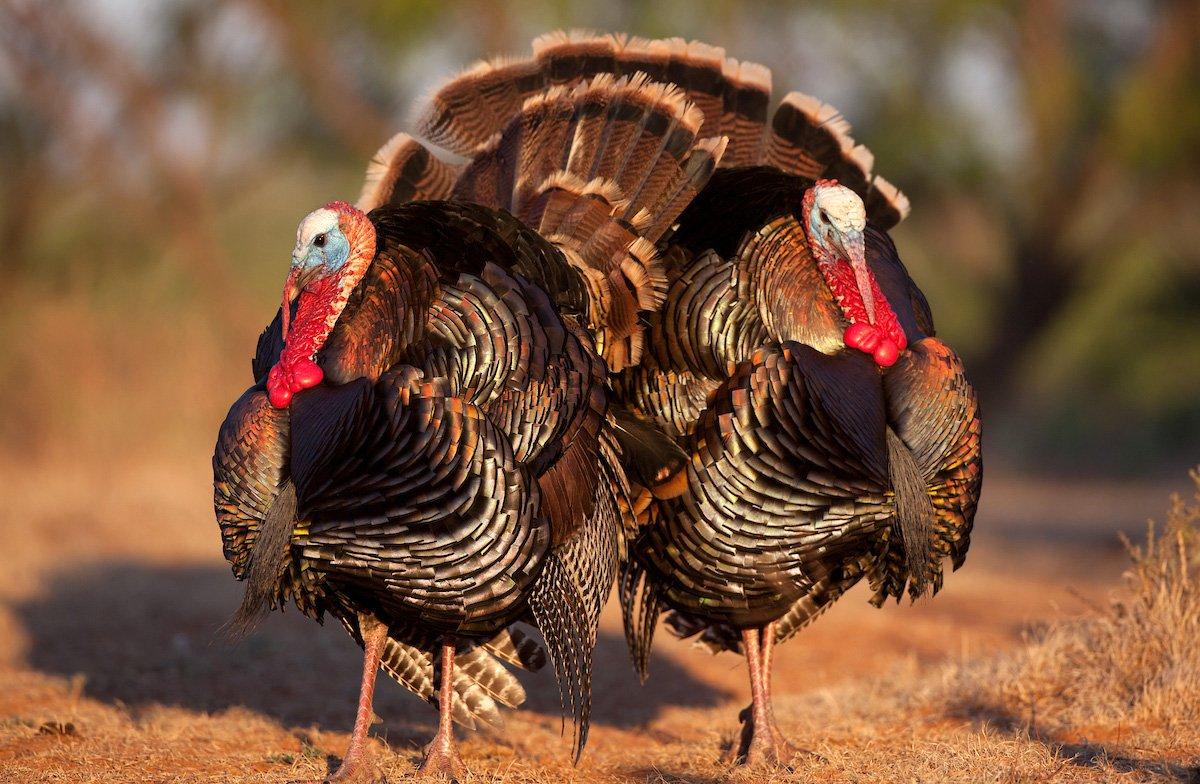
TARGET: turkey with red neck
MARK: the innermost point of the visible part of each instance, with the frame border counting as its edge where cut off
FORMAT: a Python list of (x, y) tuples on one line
[(835, 220), (334, 247), (426, 453), (796, 426)]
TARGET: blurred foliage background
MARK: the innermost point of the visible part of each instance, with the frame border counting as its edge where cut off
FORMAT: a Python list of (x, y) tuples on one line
[(156, 156)]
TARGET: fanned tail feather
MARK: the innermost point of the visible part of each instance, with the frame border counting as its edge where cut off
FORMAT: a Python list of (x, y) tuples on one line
[(812, 139), (405, 170), (747, 98), (601, 168)]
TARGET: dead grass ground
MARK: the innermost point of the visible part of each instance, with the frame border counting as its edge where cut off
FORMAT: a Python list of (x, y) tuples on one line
[(114, 585)]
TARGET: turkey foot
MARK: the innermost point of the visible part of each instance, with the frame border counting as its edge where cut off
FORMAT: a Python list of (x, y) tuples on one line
[(441, 757), (351, 771), (768, 747)]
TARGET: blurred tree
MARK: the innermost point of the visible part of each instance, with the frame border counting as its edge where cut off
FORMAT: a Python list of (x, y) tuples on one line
[(1051, 150)]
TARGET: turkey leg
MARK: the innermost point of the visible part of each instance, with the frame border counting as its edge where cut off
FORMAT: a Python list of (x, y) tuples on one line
[(441, 757), (355, 766), (783, 751), (760, 740)]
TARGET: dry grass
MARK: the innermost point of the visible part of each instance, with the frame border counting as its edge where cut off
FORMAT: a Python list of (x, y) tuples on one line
[(1134, 663), (108, 674)]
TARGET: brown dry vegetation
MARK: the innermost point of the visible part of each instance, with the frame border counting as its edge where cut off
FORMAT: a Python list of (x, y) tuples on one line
[(110, 674)]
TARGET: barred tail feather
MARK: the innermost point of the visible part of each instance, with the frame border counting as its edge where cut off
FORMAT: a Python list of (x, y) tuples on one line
[(819, 598), (812, 139), (515, 647), (747, 95), (405, 170), (640, 608), (481, 683), (477, 103), (694, 173)]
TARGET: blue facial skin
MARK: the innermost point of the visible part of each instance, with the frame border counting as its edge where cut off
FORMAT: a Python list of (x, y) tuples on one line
[(325, 254)]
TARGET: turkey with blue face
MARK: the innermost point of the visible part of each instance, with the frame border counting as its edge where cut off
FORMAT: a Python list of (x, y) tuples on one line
[(426, 453)]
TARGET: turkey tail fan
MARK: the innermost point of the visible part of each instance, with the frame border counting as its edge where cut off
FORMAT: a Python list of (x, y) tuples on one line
[(405, 170), (564, 619), (268, 561), (915, 516), (468, 110), (812, 139), (640, 608), (598, 168)]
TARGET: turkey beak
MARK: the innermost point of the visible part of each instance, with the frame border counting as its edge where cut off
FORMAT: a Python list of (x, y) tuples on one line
[(854, 247)]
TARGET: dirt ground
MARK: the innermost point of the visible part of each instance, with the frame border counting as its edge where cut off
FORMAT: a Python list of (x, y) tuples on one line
[(109, 668)]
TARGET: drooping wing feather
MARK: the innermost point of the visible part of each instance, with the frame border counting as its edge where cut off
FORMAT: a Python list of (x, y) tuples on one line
[(249, 469), (325, 421), (935, 411)]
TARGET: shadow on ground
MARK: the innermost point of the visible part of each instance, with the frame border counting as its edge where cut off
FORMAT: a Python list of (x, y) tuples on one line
[(145, 635)]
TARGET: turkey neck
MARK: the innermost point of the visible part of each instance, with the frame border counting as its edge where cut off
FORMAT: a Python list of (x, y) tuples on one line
[(317, 311)]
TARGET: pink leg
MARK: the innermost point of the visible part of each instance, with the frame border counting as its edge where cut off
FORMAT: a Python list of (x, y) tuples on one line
[(441, 757), (355, 766), (760, 740), (782, 751)]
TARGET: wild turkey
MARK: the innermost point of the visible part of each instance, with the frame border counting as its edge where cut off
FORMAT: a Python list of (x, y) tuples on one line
[(795, 420), (426, 453)]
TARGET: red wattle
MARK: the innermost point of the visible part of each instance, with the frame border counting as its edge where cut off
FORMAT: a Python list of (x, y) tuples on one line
[(886, 353), (856, 334), (305, 374), (278, 389)]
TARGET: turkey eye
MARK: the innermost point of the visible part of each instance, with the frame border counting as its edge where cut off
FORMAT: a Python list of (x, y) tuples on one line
[(824, 217), (319, 240)]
